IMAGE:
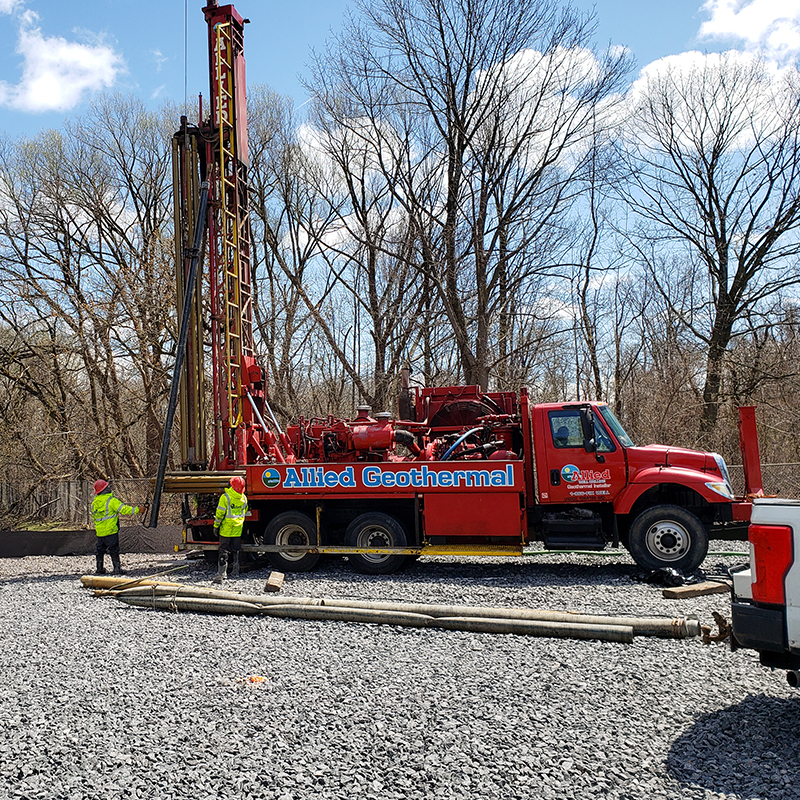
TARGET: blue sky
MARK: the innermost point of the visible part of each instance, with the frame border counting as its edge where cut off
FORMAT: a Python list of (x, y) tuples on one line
[(56, 54)]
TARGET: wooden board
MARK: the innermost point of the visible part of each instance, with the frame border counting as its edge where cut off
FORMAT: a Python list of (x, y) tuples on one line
[(696, 590), (274, 582)]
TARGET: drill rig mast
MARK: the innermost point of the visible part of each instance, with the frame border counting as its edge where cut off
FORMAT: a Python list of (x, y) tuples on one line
[(215, 151), (213, 154)]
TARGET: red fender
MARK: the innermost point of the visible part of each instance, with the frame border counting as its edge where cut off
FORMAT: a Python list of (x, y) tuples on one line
[(646, 479)]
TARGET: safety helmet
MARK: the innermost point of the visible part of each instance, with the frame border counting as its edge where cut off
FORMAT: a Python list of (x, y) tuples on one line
[(100, 486), (237, 484)]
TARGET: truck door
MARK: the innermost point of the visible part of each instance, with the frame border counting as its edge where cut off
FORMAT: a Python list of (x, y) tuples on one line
[(575, 476)]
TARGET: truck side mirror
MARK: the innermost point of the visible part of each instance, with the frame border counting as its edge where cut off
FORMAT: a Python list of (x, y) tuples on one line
[(589, 440), (587, 427)]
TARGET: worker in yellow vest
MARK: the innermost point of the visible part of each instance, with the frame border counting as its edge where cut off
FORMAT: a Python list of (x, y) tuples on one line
[(106, 510), (228, 522)]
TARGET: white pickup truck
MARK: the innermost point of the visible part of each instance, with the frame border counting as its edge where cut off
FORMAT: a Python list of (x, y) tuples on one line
[(766, 595)]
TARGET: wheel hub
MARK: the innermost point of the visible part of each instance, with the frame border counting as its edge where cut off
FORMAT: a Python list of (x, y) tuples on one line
[(292, 534), (375, 537), (668, 540)]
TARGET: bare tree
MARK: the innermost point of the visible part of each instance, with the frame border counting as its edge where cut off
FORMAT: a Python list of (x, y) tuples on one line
[(476, 113), (85, 242), (596, 274), (303, 314), (714, 159), (328, 235), (372, 253)]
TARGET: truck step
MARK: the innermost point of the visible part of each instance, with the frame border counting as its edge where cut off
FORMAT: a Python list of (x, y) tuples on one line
[(574, 543)]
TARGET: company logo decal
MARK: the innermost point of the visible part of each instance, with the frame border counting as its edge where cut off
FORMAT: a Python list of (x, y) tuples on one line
[(271, 478), (377, 477), (570, 473), (424, 477)]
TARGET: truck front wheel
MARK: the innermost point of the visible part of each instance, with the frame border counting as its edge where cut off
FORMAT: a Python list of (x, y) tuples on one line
[(668, 536), (290, 528), (375, 530)]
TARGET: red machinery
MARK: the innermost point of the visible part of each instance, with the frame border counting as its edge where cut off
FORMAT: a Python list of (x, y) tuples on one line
[(457, 471)]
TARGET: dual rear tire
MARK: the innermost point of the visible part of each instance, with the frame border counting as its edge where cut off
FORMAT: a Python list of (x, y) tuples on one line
[(370, 531), (292, 528), (375, 530)]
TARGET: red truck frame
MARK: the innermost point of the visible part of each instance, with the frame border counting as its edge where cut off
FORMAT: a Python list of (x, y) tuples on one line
[(482, 474)]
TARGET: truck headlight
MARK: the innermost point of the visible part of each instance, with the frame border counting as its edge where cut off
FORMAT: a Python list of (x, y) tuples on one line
[(723, 469), (721, 487)]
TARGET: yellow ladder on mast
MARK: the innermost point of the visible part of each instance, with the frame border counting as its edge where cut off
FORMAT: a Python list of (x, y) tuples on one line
[(233, 224)]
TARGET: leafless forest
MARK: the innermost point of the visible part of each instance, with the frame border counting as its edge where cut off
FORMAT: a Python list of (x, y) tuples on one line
[(477, 191)]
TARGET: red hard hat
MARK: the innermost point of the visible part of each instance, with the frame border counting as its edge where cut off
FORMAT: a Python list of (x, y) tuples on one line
[(100, 485), (237, 484)]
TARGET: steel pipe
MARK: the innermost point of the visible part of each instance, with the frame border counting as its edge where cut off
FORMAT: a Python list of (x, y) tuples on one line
[(206, 605), (661, 627), (562, 630)]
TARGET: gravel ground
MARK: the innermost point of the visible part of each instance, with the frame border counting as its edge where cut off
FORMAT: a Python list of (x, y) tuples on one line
[(102, 700)]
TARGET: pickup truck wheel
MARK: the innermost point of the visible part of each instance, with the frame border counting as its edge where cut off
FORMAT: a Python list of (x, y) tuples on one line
[(668, 536), (289, 528), (375, 530)]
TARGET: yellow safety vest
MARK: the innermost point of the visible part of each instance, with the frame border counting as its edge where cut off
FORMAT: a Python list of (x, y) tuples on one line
[(105, 513), (231, 511)]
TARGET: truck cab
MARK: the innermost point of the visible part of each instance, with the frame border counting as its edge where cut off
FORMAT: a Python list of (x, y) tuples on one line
[(662, 502)]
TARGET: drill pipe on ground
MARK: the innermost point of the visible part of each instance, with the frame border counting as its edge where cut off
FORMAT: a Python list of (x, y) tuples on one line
[(204, 605), (562, 630), (114, 582), (679, 628)]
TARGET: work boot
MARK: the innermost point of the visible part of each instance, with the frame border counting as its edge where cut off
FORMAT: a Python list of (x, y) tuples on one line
[(100, 570), (235, 568), (117, 566), (222, 567)]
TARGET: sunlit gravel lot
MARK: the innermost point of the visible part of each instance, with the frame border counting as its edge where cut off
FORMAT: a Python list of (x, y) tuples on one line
[(101, 700)]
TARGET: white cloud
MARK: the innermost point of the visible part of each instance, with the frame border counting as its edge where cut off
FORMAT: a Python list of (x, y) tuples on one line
[(698, 94), (694, 62), (7, 6), (57, 74), (681, 63), (159, 58), (769, 25)]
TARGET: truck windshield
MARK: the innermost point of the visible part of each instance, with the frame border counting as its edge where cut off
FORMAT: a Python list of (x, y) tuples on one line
[(616, 426)]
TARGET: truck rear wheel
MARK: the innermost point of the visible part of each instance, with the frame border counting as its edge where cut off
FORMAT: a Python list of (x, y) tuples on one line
[(292, 527), (668, 536), (375, 530)]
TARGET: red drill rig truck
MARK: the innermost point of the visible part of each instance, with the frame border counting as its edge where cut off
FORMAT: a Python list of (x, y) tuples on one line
[(455, 471)]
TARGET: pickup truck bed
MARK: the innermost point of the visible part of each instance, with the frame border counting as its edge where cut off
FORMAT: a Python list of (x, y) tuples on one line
[(765, 607)]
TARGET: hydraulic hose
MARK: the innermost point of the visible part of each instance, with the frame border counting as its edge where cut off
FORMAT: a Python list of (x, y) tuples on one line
[(458, 442), (263, 424), (180, 352)]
